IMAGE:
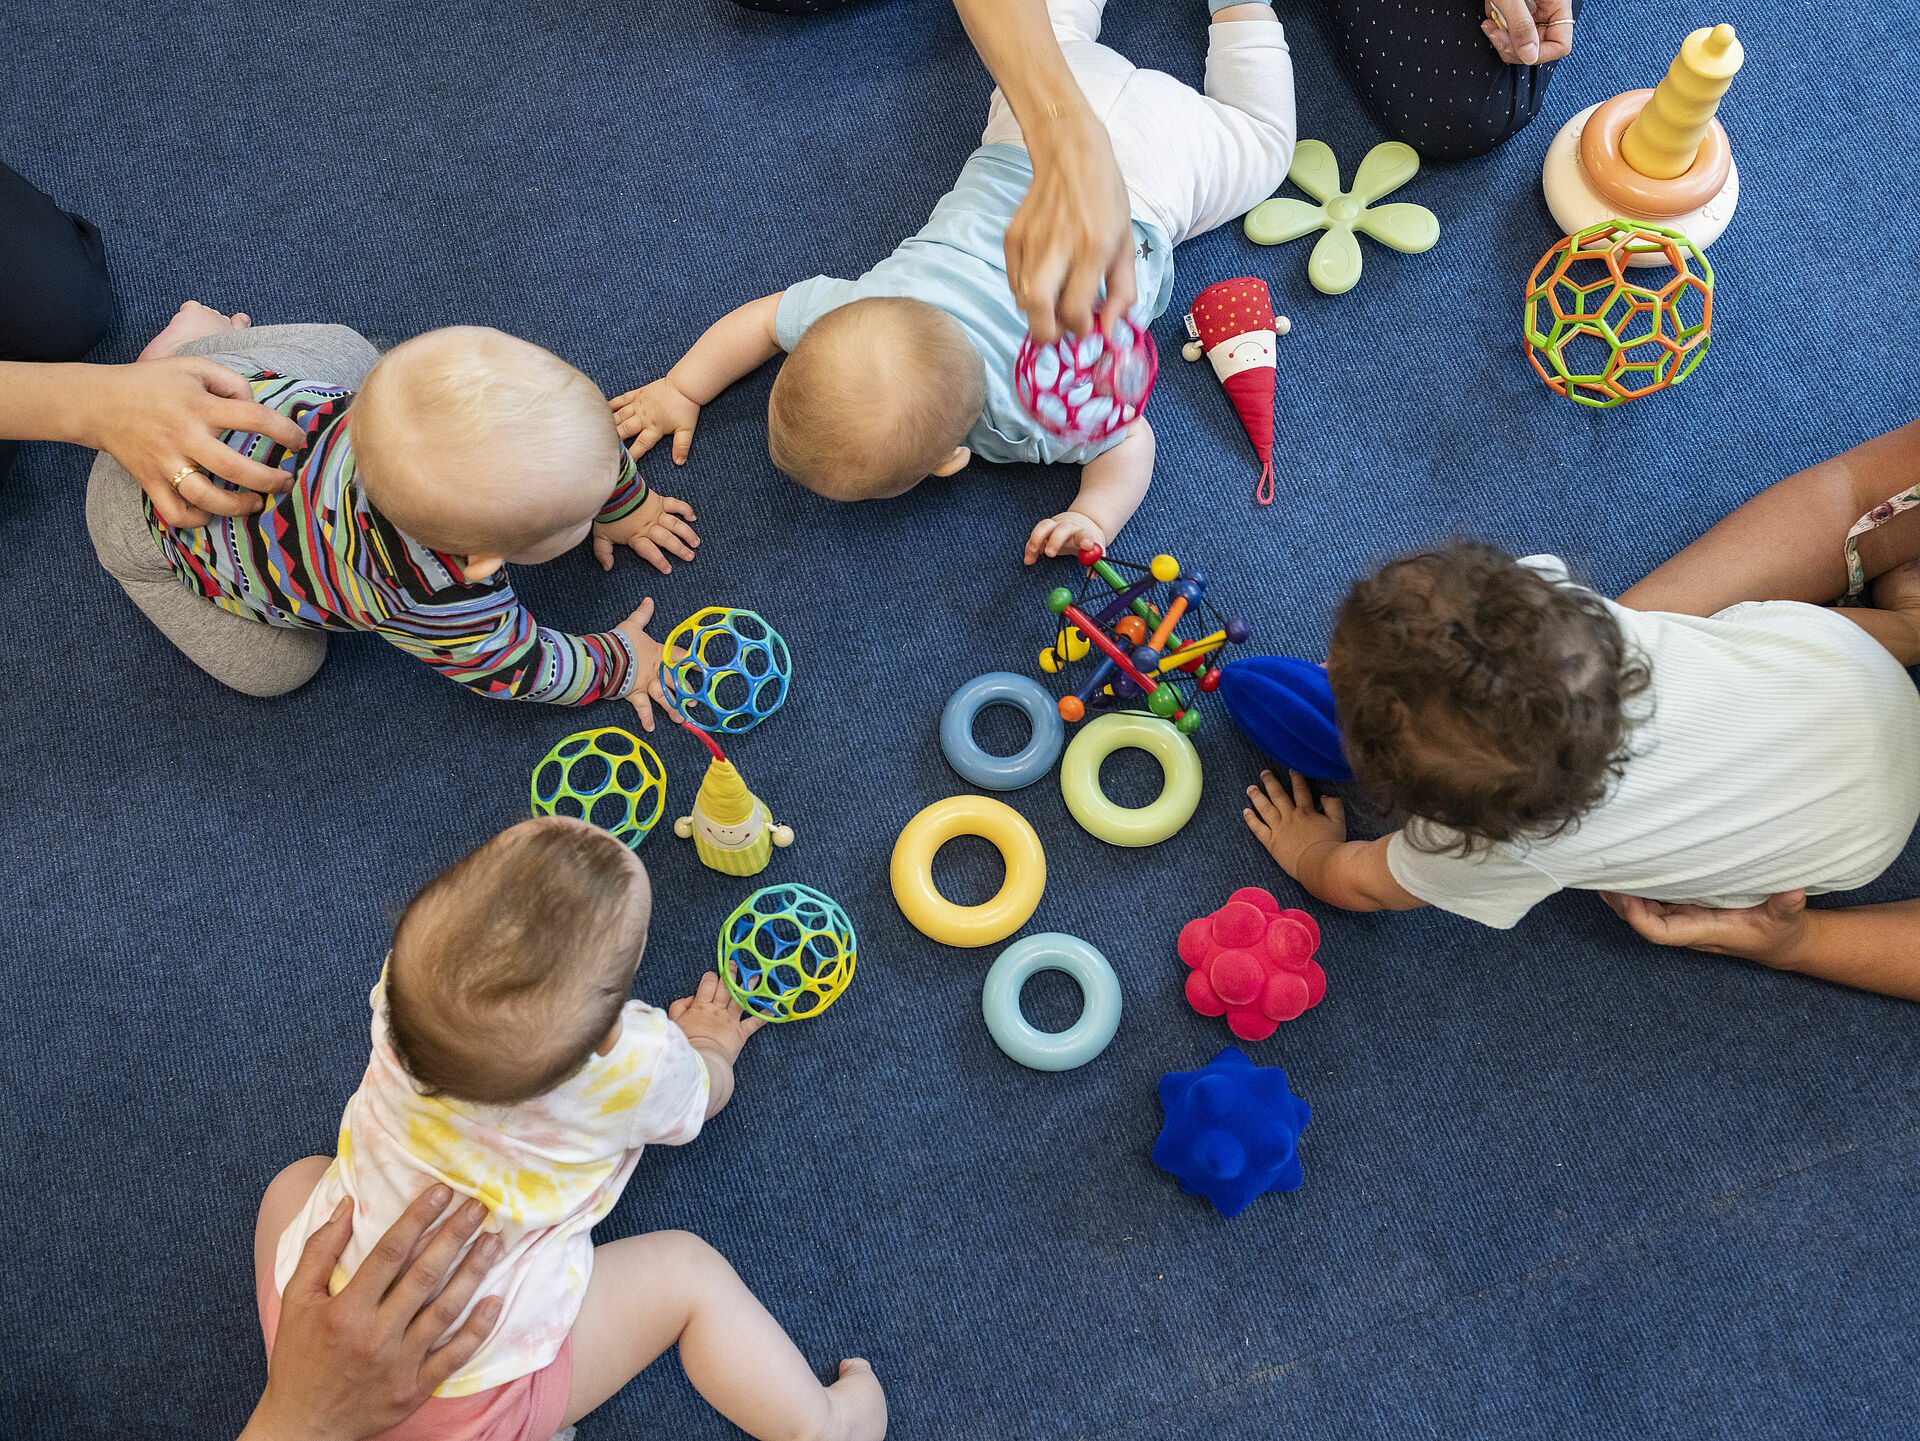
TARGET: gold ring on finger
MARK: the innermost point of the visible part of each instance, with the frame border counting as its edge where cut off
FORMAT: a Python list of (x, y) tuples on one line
[(180, 475)]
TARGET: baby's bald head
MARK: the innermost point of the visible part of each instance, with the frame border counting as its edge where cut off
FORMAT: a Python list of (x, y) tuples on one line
[(475, 443)]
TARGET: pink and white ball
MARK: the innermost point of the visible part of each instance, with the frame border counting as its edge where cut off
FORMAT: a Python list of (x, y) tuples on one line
[(1084, 388)]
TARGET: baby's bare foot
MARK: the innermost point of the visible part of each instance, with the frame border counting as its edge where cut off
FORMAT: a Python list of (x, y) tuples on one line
[(859, 1405), (193, 321)]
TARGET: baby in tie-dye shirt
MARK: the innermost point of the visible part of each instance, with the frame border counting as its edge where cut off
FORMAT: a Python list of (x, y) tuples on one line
[(509, 1064)]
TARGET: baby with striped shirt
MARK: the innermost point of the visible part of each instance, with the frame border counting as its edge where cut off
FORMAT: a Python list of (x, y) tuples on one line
[(1533, 737), (425, 471)]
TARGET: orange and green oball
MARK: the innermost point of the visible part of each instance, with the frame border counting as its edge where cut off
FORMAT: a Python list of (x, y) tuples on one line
[(1581, 305)]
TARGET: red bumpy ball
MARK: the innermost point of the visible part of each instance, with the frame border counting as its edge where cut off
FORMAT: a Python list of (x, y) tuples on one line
[(1083, 388), (1253, 963)]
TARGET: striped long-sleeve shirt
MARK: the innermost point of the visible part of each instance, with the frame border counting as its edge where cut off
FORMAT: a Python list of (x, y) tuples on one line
[(322, 556)]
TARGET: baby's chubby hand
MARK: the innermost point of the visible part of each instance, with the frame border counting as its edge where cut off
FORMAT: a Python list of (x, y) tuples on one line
[(661, 523), (1293, 825), (646, 652), (712, 1016), (1069, 531), (653, 411)]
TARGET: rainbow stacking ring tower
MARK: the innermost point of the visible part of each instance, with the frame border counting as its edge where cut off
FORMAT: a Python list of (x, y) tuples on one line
[(1653, 156)]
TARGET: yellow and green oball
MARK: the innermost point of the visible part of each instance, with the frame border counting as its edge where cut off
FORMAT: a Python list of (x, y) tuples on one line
[(787, 953), (607, 777)]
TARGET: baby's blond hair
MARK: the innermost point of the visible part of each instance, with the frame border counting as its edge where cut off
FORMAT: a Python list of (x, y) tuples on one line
[(476, 443), (511, 966), (876, 396)]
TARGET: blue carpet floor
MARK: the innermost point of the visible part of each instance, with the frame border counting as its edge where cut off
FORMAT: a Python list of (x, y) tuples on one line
[(1558, 1183)]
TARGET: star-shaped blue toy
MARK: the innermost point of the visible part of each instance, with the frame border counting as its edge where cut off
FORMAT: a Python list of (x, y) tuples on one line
[(1232, 1131)]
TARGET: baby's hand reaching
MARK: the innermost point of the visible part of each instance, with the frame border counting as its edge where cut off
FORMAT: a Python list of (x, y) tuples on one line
[(653, 411), (712, 1016), (1292, 825), (661, 523), (1069, 531), (646, 650)]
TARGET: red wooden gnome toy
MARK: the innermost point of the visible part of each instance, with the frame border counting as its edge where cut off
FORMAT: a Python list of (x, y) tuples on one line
[(1232, 323)]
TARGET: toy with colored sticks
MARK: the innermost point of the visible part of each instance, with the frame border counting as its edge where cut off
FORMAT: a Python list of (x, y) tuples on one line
[(1083, 388), (787, 952), (1130, 618), (725, 669)]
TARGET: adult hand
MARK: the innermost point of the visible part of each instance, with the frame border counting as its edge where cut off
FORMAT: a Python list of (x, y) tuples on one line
[(1769, 933), (1529, 32), (159, 417), (353, 1365), (1073, 230)]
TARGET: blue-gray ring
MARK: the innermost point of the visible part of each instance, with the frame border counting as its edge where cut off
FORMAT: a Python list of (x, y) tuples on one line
[(1001, 773)]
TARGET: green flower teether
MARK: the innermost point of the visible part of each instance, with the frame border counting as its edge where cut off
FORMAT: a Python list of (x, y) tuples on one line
[(1334, 267)]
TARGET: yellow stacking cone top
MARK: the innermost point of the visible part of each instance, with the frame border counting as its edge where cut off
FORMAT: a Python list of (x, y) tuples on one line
[(724, 798), (1664, 138)]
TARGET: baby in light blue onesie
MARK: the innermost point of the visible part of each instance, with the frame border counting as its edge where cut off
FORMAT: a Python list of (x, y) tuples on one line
[(907, 372)]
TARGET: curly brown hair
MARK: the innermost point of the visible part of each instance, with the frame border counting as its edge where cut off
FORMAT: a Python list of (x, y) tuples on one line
[(1478, 695)]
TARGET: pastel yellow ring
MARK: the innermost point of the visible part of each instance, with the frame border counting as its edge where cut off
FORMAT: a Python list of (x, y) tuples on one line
[(933, 914), (1131, 825)]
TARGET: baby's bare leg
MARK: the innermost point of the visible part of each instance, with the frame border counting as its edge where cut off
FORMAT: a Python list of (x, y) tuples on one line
[(1894, 617), (286, 1194), (671, 1288)]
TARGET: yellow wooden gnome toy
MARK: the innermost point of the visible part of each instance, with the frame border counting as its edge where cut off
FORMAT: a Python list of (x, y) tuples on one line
[(732, 829)]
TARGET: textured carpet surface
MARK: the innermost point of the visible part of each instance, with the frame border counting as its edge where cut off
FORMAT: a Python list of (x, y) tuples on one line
[(1558, 1183)]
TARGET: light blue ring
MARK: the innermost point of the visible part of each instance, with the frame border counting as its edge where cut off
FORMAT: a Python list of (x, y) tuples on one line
[(1099, 1002), (1002, 773)]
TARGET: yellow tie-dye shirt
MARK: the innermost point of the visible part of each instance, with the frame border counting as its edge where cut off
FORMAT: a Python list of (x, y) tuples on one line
[(548, 1170)]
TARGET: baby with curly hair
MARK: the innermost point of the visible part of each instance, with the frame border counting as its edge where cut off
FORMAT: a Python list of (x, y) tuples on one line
[(1531, 736)]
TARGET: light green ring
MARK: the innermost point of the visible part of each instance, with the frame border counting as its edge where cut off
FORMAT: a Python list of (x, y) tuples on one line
[(1126, 825)]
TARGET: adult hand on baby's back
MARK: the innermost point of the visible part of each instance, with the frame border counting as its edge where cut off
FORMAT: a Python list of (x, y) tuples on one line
[(353, 1365), (646, 690), (1767, 933), (1069, 531), (1529, 32), (661, 523), (161, 417), (1073, 230), (653, 411), (712, 1015)]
